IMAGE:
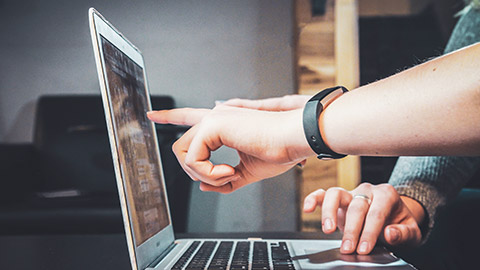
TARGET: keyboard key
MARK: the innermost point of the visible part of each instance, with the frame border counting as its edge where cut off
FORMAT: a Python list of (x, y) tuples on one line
[(198, 257), (241, 256), (222, 256), (281, 259), (199, 261), (186, 256), (260, 259)]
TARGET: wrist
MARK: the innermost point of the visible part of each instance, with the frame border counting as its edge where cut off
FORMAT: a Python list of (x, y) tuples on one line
[(312, 118), (294, 139), (415, 208)]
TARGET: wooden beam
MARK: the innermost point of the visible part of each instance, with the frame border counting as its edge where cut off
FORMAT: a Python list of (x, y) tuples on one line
[(348, 74)]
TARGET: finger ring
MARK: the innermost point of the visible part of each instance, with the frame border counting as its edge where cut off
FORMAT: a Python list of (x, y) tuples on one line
[(363, 197)]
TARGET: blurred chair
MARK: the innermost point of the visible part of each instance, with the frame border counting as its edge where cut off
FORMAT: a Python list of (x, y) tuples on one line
[(64, 181)]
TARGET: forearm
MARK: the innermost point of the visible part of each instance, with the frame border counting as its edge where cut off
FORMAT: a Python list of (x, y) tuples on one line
[(431, 109)]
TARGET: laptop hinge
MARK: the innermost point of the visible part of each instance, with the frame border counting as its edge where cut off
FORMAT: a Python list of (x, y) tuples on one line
[(161, 256)]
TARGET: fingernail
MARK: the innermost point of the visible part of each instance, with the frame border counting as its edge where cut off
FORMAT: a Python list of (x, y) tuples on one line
[(347, 245), (327, 225), (363, 247), (394, 234)]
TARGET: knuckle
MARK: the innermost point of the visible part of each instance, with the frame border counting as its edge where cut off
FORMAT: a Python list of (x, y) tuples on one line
[(189, 162), (286, 98), (216, 108), (334, 191), (316, 193), (364, 186), (388, 194), (387, 188), (393, 201), (175, 146)]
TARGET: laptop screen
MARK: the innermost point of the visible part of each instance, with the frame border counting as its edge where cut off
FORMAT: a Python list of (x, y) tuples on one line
[(136, 147)]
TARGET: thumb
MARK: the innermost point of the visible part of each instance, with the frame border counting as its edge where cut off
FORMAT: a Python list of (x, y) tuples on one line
[(398, 234)]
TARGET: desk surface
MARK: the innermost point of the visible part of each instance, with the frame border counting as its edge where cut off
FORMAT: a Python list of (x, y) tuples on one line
[(96, 251)]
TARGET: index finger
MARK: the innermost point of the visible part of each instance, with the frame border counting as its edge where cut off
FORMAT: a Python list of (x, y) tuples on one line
[(285, 103), (183, 116)]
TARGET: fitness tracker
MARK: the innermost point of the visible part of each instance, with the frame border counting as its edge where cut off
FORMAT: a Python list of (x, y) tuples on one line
[(311, 112)]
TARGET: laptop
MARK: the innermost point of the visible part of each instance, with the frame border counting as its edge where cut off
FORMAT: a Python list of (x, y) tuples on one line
[(141, 186)]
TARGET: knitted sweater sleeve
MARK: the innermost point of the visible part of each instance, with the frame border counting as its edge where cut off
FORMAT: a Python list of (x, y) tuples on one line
[(432, 181)]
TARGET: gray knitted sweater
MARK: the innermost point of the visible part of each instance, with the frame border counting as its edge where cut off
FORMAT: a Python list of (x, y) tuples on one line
[(433, 181)]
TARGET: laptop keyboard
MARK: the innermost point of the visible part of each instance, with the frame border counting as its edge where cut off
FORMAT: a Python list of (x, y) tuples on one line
[(217, 255)]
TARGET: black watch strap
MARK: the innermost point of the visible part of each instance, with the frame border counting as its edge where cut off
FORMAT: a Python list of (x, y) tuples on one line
[(311, 112)]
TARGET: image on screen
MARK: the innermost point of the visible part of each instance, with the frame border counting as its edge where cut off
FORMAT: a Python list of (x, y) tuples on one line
[(139, 163)]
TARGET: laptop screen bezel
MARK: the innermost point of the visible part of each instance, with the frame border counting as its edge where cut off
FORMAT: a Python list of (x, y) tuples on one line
[(144, 254)]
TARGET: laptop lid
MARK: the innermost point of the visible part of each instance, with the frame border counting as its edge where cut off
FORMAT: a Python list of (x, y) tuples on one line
[(133, 141)]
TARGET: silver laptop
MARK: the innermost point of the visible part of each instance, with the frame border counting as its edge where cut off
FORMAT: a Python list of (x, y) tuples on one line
[(141, 185)]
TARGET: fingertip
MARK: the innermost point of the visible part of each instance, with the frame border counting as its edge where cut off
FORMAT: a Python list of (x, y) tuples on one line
[(328, 225), (364, 248), (309, 205), (207, 188), (222, 170), (150, 114), (225, 189), (155, 116), (347, 247), (393, 235)]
